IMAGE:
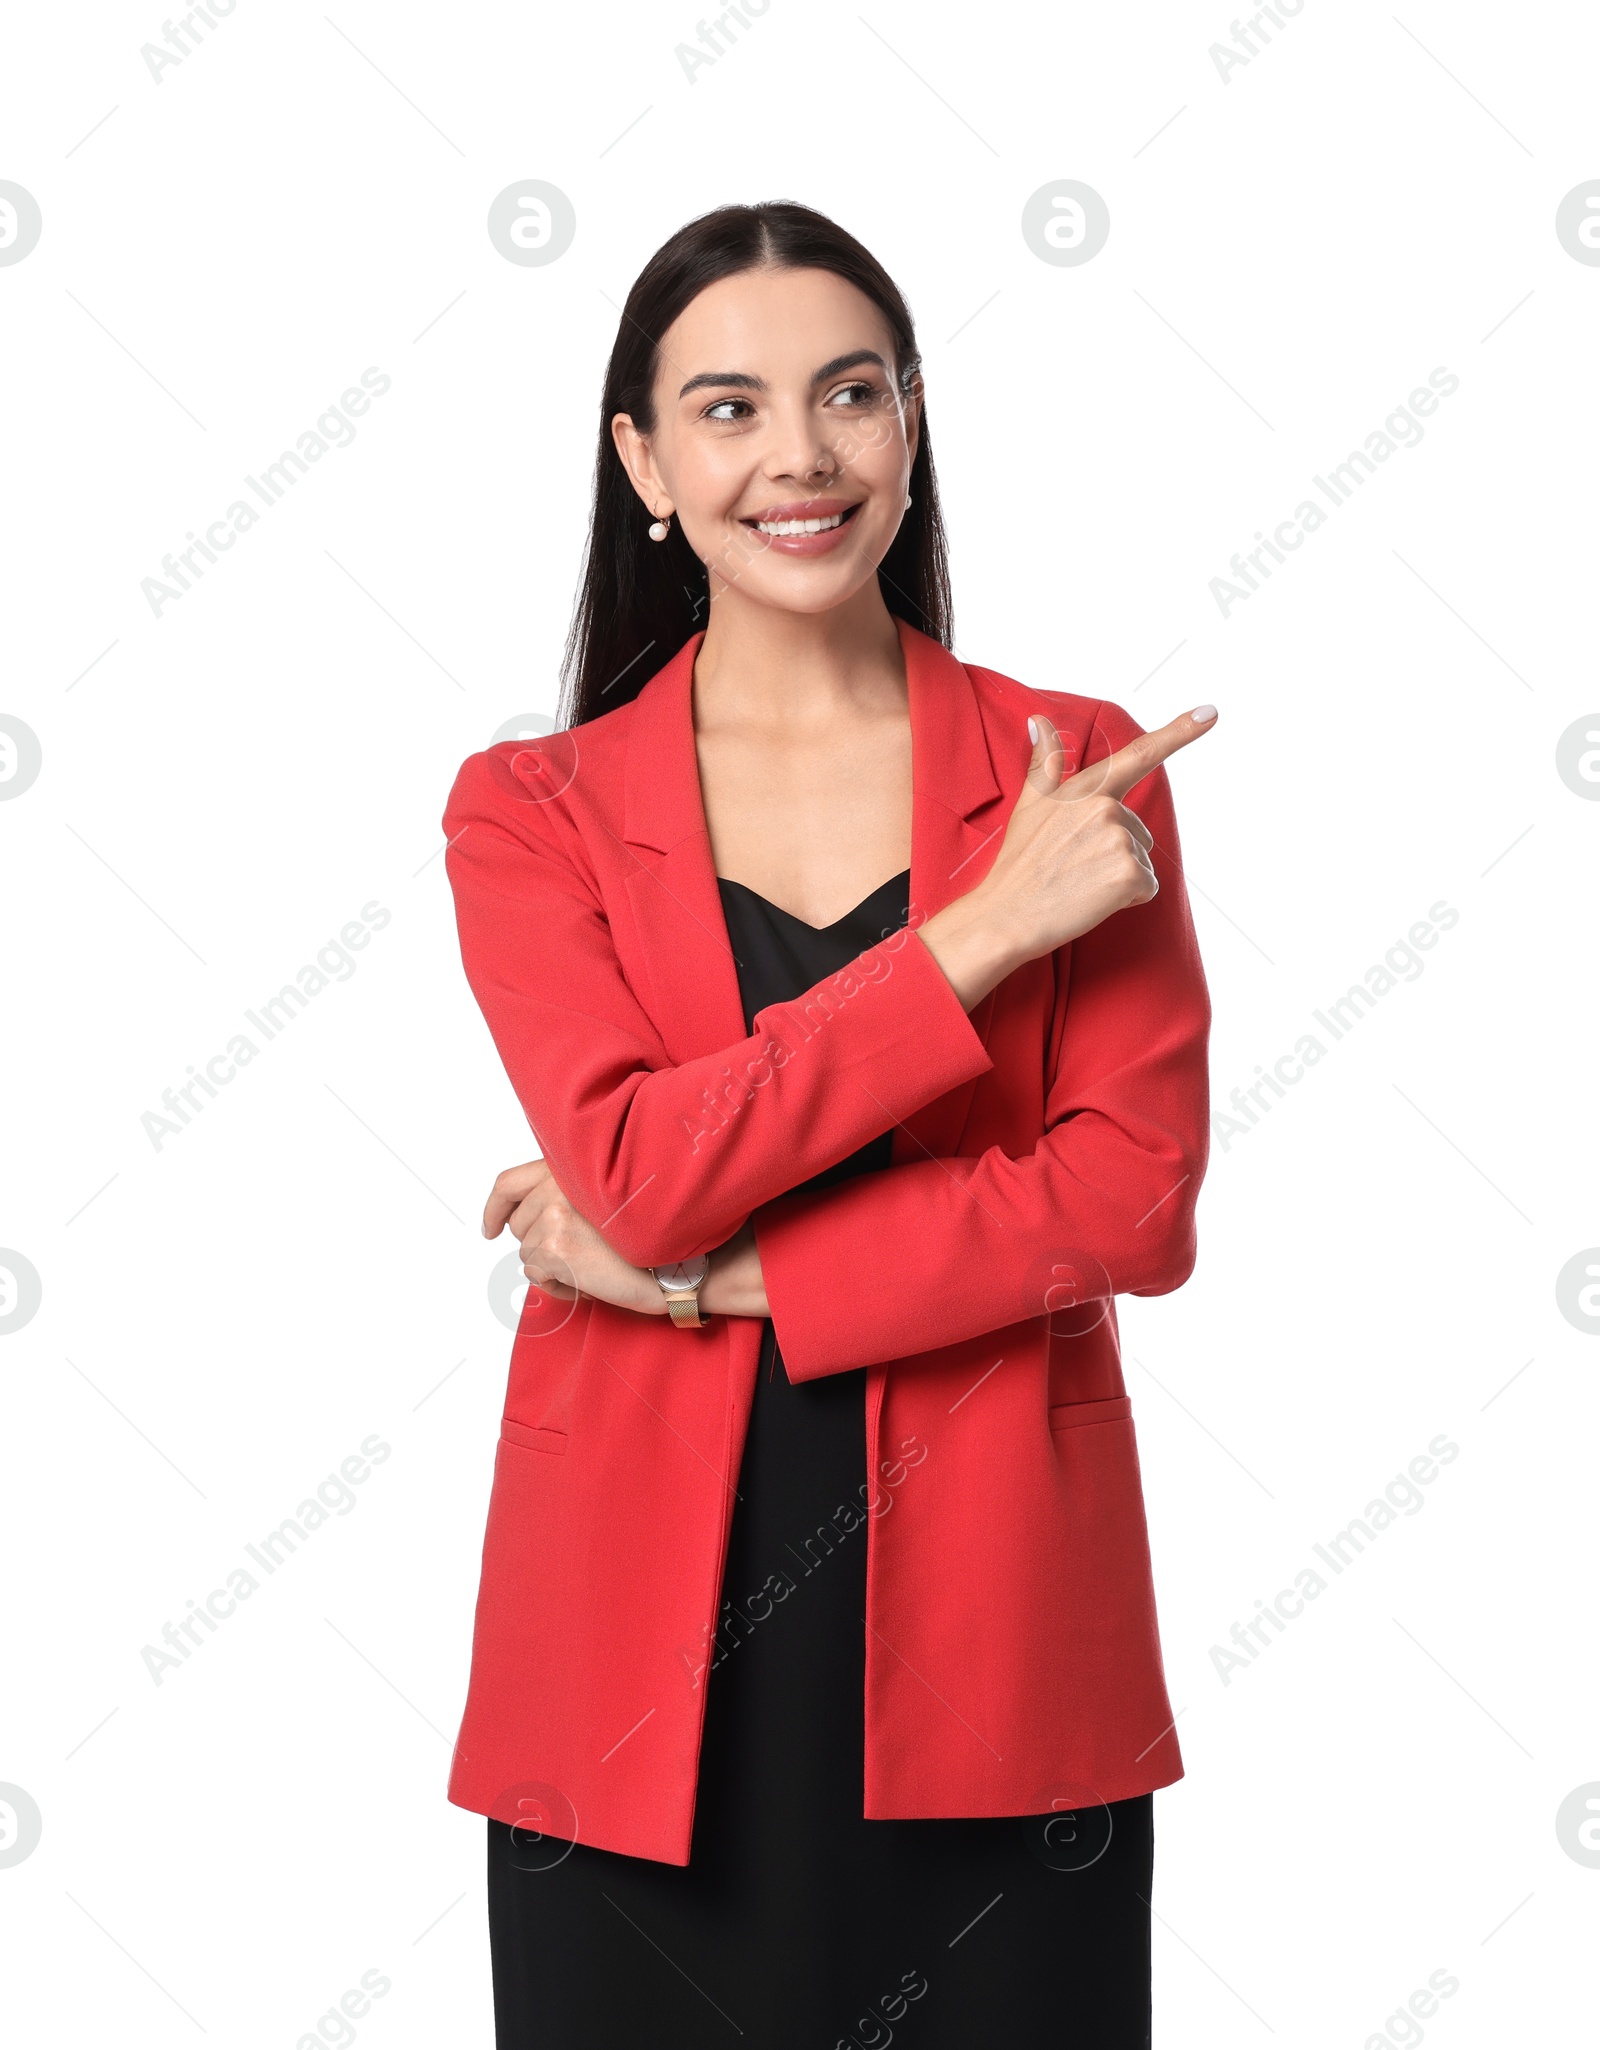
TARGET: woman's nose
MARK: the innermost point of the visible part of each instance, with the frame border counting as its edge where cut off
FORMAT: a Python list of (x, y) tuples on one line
[(801, 447)]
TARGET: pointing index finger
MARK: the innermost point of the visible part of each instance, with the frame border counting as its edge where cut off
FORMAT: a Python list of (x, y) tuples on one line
[(1118, 773)]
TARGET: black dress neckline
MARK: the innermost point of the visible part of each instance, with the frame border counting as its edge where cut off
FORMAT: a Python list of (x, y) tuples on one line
[(891, 887)]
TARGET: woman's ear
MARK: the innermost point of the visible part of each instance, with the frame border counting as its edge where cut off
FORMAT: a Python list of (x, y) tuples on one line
[(637, 459)]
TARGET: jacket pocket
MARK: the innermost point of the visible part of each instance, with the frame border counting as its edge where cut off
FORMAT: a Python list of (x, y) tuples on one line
[(533, 1437), (1112, 1409)]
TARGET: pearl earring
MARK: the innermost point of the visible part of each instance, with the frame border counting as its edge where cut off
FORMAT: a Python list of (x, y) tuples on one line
[(908, 502), (659, 528)]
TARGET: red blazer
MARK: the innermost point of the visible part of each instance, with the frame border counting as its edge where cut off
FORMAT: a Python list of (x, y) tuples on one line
[(1047, 1154)]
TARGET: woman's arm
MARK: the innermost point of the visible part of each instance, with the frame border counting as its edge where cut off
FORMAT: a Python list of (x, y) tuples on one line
[(1103, 1205), (565, 1257), (628, 1132)]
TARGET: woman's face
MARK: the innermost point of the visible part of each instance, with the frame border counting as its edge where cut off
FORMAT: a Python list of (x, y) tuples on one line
[(777, 402)]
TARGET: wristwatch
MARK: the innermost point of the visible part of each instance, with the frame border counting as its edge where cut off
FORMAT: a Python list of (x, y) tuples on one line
[(680, 1283)]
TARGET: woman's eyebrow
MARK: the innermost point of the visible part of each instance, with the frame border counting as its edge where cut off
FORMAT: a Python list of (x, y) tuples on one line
[(713, 377), (850, 362), (742, 381)]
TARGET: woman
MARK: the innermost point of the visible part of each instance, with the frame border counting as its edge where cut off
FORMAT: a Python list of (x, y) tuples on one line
[(816, 1691)]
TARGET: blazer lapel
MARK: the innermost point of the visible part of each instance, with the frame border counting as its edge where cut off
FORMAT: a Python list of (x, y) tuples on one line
[(957, 813), (677, 907)]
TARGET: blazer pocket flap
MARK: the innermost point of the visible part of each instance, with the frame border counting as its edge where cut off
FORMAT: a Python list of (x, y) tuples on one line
[(1110, 1410), (534, 1437)]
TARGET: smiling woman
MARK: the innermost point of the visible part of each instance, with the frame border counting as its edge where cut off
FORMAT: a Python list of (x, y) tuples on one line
[(734, 280), (852, 995)]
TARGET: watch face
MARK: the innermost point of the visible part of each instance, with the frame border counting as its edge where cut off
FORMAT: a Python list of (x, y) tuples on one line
[(683, 1273)]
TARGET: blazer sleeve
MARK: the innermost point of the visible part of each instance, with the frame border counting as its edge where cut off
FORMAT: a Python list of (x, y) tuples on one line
[(669, 1159), (1103, 1205)]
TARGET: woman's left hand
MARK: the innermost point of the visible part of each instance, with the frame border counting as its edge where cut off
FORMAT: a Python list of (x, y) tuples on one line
[(562, 1253)]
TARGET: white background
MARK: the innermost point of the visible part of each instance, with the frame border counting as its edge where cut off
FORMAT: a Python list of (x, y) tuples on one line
[(224, 786)]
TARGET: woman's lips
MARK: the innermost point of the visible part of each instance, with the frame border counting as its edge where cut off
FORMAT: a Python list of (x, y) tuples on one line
[(812, 528)]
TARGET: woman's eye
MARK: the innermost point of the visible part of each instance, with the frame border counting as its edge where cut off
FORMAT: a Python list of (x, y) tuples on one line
[(720, 411), (861, 394)]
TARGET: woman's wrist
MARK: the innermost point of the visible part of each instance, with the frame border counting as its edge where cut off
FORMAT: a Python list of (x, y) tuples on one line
[(734, 1287), (971, 946)]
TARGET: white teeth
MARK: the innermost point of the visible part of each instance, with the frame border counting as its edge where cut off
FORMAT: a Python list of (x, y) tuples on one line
[(800, 526)]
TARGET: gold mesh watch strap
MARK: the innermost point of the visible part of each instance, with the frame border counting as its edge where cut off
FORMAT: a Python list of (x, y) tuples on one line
[(684, 1310)]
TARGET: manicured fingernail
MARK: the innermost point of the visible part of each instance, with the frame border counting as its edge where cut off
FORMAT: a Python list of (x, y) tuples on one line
[(1202, 715), (1033, 731)]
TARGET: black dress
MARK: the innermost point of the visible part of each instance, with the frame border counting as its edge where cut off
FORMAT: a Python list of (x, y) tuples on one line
[(796, 1922)]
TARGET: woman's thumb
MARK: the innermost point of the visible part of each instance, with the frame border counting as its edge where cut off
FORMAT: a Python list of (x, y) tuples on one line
[(1048, 761)]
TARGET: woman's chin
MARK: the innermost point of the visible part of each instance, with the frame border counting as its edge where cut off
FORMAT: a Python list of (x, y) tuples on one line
[(809, 594), (794, 582)]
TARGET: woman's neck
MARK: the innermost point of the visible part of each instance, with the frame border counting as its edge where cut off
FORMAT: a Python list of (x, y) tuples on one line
[(759, 667)]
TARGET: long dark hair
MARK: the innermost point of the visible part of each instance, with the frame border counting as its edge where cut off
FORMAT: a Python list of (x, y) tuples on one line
[(640, 599)]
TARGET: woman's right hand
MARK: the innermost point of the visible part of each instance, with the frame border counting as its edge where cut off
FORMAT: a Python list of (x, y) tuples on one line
[(1073, 854)]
